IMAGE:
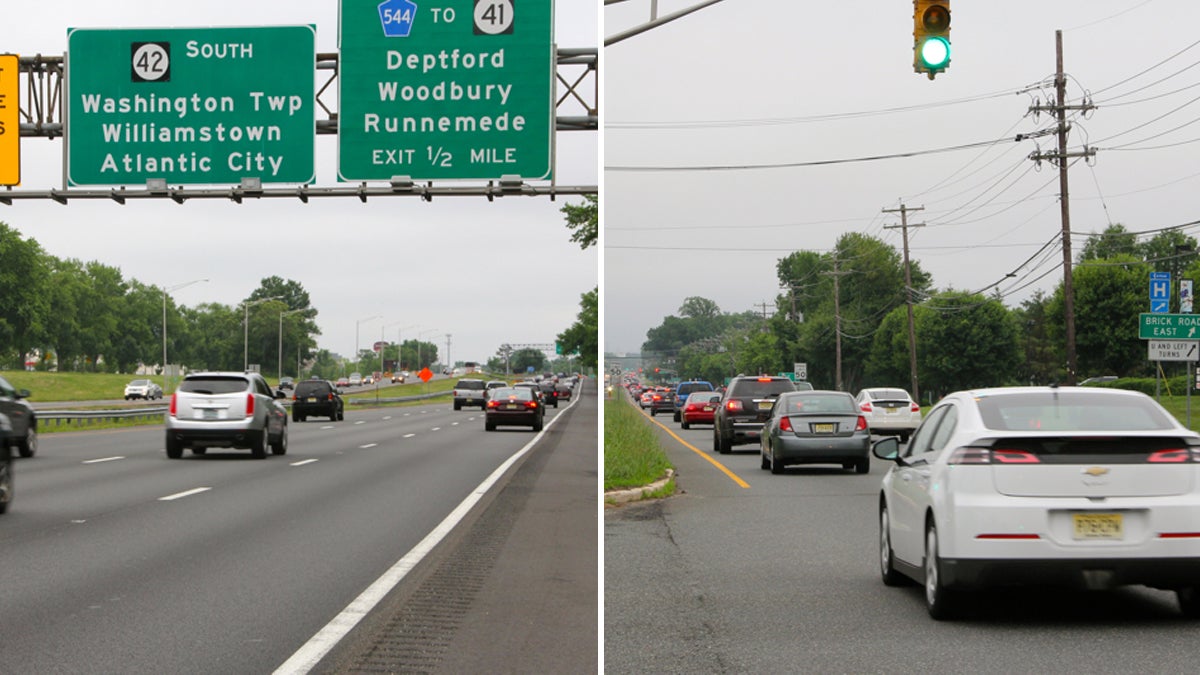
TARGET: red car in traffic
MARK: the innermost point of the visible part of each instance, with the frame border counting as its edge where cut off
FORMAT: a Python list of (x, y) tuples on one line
[(699, 408)]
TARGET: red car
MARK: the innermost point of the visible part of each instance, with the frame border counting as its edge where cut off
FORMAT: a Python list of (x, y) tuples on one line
[(699, 408)]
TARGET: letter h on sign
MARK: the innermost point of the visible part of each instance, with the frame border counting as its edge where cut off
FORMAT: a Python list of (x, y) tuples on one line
[(1160, 292)]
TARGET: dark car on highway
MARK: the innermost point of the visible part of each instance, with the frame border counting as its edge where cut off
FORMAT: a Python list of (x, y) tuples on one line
[(549, 392), (317, 397), (6, 465), (22, 434), (514, 406), (744, 408), (662, 400)]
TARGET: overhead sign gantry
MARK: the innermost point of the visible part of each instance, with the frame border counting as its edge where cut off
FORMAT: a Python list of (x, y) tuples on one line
[(190, 105)]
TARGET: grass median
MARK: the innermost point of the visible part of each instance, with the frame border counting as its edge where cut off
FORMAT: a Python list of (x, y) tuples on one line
[(633, 456)]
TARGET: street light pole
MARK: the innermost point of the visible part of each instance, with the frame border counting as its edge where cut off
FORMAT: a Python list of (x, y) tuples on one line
[(356, 343), (164, 325), (279, 365), (246, 329)]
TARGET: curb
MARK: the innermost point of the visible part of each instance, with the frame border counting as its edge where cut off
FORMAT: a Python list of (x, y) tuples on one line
[(619, 497)]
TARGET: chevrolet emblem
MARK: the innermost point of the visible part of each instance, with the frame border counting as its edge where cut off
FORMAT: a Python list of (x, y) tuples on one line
[(1096, 471)]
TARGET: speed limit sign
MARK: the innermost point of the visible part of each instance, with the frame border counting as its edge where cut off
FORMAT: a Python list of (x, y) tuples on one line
[(801, 370)]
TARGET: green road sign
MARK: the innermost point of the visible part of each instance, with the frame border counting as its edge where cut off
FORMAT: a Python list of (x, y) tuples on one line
[(1169, 326), (190, 105), (453, 89)]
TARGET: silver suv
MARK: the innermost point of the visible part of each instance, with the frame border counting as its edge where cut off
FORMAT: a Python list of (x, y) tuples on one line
[(470, 392), (229, 410)]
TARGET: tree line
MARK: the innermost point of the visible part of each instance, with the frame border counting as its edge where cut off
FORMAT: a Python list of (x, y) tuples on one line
[(963, 339)]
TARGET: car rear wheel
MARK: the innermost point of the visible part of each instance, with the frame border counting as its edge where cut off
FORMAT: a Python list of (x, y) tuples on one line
[(720, 444), (684, 425), (765, 463), (679, 420), (863, 466), (489, 426), (174, 447), (259, 451), (27, 446), (776, 464), (1189, 601), (539, 424), (939, 600), (890, 576)]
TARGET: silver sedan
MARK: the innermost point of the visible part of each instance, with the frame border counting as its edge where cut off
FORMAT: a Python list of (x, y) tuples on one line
[(816, 427)]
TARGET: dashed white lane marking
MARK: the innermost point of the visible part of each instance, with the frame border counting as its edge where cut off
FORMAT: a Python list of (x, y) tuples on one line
[(304, 461), (436, 429), (368, 445), (103, 459), (186, 493), (408, 435)]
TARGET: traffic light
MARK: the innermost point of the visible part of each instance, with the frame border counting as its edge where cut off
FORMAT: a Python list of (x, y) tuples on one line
[(931, 36)]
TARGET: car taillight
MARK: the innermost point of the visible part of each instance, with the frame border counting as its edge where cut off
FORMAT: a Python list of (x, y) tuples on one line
[(330, 395), (532, 405), (734, 406), (1165, 456), (249, 405), (171, 410), (998, 456), (295, 398), (862, 424), (785, 423), (866, 407), (915, 407)]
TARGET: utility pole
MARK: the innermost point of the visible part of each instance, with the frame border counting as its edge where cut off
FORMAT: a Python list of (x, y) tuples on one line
[(837, 323), (763, 306), (1060, 158), (908, 287)]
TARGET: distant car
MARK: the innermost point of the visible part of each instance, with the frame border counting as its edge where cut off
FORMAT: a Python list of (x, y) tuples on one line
[(1043, 486), (342, 382), (22, 419), (531, 386), (514, 406), (494, 384), (356, 379), (368, 379), (662, 399), (226, 409), (469, 392), (744, 408), (683, 390), (816, 427), (286, 382), (317, 397), (397, 378), (646, 399), (145, 389), (890, 411), (549, 392), (699, 408), (564, 390)]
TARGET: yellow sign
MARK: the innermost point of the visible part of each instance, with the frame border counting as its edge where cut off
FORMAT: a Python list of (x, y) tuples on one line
[(10, 121)]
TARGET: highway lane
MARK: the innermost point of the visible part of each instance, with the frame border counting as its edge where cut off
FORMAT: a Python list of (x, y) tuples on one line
[(781, 576), (120, 560)]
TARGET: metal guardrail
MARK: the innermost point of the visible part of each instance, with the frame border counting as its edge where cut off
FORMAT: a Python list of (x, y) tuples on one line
[(66, 417)]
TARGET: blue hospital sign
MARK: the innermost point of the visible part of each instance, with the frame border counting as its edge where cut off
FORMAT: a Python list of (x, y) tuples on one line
[(1160, 292)]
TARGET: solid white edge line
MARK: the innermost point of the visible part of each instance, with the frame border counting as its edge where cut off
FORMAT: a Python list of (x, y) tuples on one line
[(186, 493), (310, 654)]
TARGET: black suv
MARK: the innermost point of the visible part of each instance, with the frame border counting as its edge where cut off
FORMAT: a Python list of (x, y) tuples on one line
[(744, 408), (317, 397)]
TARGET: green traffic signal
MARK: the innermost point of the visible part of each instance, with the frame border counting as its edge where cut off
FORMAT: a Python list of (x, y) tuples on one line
[(935, 53)]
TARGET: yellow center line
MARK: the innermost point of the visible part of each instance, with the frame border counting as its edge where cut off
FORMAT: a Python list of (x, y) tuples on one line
[(724, 469)]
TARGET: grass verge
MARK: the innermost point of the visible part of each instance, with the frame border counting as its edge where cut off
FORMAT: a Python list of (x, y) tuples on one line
[(633, 456)]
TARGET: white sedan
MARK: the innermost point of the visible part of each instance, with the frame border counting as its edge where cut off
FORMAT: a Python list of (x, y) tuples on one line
[(1079, 487)]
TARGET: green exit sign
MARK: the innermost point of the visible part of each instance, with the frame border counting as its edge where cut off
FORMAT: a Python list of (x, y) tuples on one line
[(445, 89), (1153, 326), (190, 105)]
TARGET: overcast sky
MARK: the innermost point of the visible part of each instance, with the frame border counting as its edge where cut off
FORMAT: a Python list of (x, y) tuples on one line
[(486, 273), (760, 84)]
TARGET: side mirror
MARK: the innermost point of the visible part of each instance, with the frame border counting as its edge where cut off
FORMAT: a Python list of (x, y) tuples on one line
[(887, 448)]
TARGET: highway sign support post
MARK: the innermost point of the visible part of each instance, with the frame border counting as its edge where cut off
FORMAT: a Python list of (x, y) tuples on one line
[(190, 105), (454, 89)]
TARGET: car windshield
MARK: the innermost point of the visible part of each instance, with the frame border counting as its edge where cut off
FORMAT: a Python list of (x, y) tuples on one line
[(139, 383), (512, 393), (469, 384), (832, 403), (762, 388), (214, 385), (1072, 410)]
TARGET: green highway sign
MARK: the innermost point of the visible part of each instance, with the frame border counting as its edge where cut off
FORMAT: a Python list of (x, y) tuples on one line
[(1169, 326), (190, 105), (445, 89)]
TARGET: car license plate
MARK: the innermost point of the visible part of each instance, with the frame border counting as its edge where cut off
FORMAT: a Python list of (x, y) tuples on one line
[(512, 406), (1099, 526), (708, 408), (891, 411), (208, 414), (822, 428), (310, 400), (766, 405)]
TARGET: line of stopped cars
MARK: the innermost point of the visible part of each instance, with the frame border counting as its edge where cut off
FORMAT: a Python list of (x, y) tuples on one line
[(1070, 487), (519, 404)]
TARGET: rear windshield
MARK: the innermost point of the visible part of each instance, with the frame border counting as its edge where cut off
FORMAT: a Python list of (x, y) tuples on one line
[(1072, 410), (703, 397), (470, 384), (307, 388), (512, 393), (889, 394), (688, 387), (214, 385), (817, 403), (761, 388)]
